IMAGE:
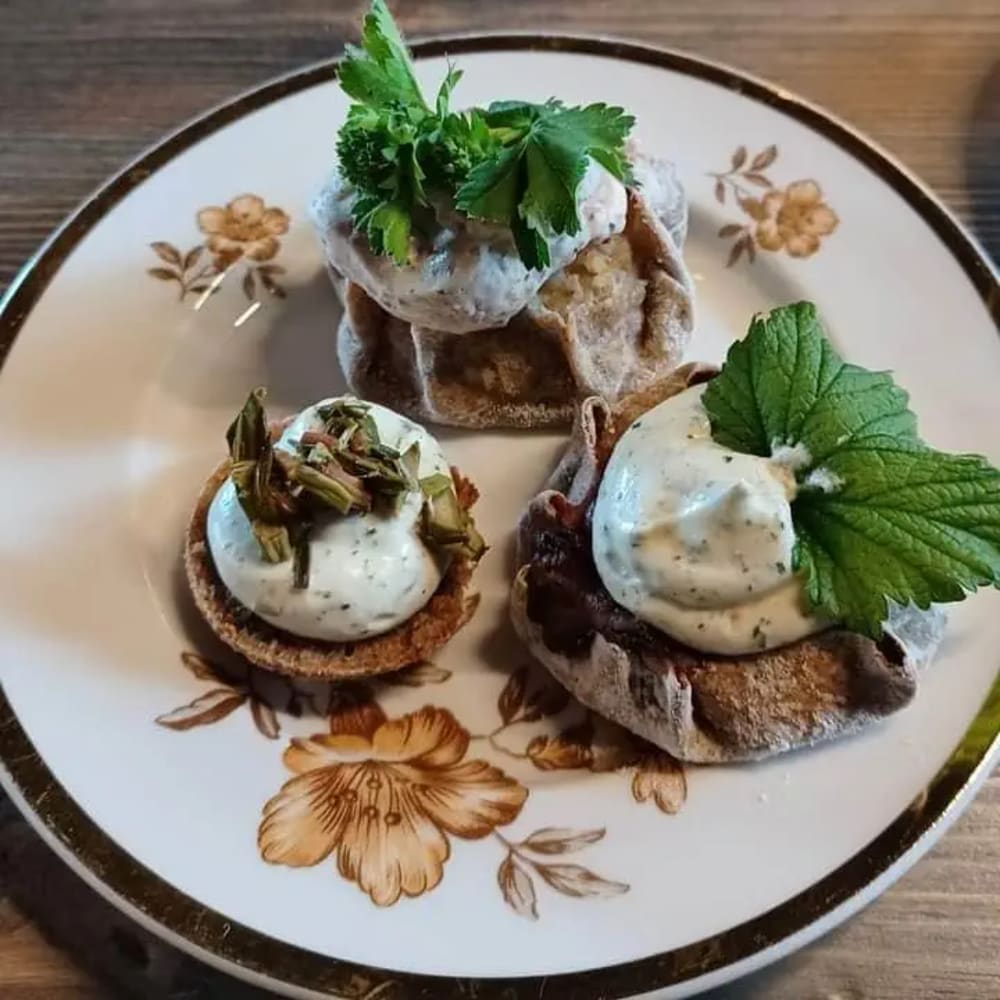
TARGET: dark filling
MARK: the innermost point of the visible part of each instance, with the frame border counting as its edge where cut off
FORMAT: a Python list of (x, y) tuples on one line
[(568, 601)]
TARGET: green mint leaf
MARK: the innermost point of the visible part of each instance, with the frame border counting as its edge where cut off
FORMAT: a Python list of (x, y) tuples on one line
[(904, 522), (380, 73), (785, 385), (878, 516)]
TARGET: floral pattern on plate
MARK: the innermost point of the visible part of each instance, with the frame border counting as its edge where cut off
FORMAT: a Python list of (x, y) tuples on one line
[(794, 218), (241, 236), (384, 796)]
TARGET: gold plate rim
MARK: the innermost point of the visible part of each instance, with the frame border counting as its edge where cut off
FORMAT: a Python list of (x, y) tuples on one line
[(209, 934)]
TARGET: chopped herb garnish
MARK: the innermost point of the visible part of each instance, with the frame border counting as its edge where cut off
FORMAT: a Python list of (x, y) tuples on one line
[(343, 469)]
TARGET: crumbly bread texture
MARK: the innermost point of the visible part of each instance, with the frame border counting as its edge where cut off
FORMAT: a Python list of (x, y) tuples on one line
[(616, 319), (451, 606), (699, 707)]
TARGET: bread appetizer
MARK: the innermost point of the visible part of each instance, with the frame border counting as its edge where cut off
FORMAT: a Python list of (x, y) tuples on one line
[(338, 545), (735, 563), (496, 265)]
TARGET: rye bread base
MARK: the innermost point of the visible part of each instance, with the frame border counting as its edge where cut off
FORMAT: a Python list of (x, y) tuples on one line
[(416, 639), (699, 707)]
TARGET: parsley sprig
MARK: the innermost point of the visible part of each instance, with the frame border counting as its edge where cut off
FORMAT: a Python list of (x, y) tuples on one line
[(879, 515), (515, 163)]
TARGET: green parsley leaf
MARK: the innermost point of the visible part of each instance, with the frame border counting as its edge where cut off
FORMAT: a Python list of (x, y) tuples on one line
[(378, 155), (530, 182), (380, 73), (515, 163), (448, 84), (878, 516)]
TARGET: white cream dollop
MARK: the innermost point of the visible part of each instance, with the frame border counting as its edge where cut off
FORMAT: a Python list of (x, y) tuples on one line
[(368, 573), (472, 276), (697, 539)]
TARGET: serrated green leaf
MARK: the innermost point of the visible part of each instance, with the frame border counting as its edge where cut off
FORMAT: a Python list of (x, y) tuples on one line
[(491, 190), (784, 384), (906, 523), (380, 73), (878, 516), (532, 247), (517, 164), (531, 183), (554, 172), (599, 130)]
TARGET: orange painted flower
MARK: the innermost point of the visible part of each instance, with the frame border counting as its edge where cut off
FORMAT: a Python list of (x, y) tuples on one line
[(795, 218), (244, 228), (382, 795)]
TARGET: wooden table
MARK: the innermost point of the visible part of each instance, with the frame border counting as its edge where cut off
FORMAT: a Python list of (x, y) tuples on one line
[(86, 84)]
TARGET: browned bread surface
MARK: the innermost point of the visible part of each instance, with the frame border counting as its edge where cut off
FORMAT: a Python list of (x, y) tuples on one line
[(262, 644)]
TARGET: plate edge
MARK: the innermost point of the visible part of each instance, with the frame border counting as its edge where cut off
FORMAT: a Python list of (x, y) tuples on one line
[(940, 804)]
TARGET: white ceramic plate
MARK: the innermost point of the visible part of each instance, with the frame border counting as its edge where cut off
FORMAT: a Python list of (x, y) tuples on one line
[(192, 794)]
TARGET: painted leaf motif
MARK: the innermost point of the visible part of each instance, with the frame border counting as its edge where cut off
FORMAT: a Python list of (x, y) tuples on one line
[(191, 257), (764, 158), (611, 747), (418, 675), (272, 286), (265, 718), (162, 273), (166, 252), (739, 157), (759, 179), (559, 840), (575, 880), (548, 699), (203, 711), (249, 285), (512, 696), (735, 251), (517, 888), (720, 192), (204, 670), (558, 753), (731, 229)]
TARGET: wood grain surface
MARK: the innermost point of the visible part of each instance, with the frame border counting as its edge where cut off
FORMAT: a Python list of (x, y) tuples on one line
[(86, 84)]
